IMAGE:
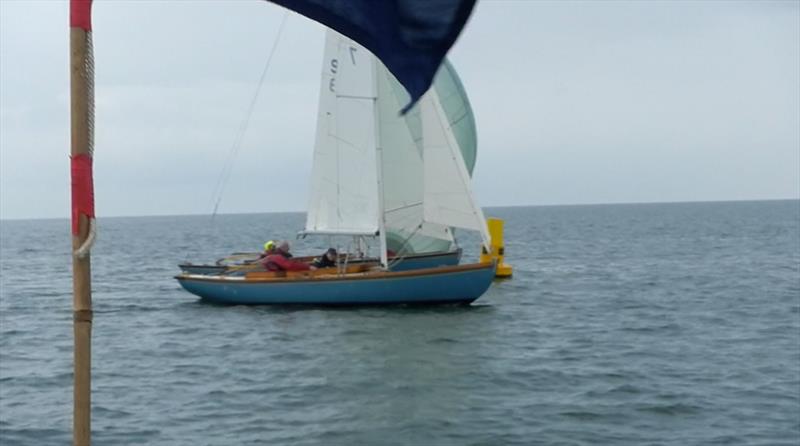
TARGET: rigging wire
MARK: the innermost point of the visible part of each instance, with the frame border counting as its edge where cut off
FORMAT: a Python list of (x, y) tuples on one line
[(398, 257), (219, 189)]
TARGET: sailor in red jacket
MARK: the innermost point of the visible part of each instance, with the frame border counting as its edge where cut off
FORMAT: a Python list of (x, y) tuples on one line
[(280, 261)]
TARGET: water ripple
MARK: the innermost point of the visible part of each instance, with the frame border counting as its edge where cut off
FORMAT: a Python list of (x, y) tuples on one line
[(626, 325)]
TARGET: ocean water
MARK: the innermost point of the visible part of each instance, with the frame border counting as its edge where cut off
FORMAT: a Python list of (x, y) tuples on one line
[(662, 324)]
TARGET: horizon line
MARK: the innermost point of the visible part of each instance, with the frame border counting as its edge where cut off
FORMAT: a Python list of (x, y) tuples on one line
[(483, 207)]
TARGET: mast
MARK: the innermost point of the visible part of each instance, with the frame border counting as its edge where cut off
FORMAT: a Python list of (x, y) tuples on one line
[(379, 163), (82, 111)]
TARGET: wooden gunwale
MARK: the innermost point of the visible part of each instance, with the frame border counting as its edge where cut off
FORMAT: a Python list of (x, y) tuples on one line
[(307, 276), (351, 269), (309, 259), (342, 256)]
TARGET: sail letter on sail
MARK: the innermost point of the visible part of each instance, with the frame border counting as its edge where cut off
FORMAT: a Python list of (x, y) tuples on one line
[(410, 37)]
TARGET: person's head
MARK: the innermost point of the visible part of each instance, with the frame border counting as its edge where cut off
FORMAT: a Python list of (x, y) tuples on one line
[(284, 246), (269, 246), (330, 254)]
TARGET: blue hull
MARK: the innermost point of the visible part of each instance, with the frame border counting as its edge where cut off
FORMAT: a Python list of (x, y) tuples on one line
[(460, 284), (416, 261)]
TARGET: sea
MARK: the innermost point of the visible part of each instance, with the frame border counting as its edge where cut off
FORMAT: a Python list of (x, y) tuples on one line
[(640, 324)]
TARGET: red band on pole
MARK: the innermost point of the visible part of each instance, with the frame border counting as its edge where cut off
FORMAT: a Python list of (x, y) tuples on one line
[(80, 14), (82, 189)]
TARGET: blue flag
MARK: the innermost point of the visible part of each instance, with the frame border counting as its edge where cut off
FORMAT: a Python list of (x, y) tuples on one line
[(410, 37)]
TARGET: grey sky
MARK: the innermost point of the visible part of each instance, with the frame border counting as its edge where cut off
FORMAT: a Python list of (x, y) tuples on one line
[(575, 102)]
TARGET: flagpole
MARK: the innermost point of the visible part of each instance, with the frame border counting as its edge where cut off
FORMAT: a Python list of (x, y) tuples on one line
[(81, 110)]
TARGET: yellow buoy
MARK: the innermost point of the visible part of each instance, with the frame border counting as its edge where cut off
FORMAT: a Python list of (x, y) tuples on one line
[(497, 253)]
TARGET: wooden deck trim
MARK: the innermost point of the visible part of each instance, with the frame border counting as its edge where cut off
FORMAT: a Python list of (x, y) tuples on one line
[(306, 276), (309, 259)]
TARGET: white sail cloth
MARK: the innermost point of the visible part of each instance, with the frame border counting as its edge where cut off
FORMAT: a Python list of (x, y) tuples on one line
[(403, 176), (344, 193), (406, 230), (370, 167), (447, 199)]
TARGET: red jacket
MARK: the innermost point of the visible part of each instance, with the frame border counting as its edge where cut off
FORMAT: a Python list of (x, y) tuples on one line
[(277, 262)]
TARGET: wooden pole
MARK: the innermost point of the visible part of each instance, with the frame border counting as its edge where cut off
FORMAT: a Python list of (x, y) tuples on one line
[(81, 89)]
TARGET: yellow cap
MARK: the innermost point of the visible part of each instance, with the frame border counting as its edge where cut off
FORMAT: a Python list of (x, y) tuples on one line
[(269, 245)]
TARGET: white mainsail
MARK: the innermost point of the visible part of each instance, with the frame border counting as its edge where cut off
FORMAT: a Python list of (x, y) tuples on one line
[(344, 194), (370, 167)]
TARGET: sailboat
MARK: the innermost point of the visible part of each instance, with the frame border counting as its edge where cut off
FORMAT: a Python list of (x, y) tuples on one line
[(375, 172), (412, 242)]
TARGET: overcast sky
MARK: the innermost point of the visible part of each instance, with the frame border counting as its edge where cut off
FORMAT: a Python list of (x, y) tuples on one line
[(575, 102)]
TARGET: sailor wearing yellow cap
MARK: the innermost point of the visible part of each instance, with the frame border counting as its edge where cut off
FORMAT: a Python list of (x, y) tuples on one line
[(269, 249)]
